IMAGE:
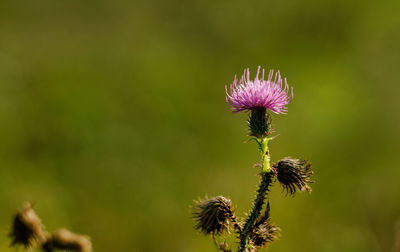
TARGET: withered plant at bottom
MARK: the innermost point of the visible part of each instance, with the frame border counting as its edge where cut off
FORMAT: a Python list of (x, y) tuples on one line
[(27, 230), (215, 215)]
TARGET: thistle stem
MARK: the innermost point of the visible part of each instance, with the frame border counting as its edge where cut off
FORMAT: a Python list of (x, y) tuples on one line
[(264, 151), (266, 179)]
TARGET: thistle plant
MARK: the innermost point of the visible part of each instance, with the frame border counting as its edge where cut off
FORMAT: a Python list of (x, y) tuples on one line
[(258, 98), (27, 230)]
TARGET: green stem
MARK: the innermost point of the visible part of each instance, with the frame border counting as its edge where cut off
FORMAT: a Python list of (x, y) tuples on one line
[(264, 152), (266, 180)]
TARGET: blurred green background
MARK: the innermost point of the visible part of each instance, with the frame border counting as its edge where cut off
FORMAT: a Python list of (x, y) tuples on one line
[(113, 118)]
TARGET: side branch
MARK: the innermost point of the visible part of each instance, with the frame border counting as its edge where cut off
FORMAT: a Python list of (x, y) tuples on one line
[(266, 181)]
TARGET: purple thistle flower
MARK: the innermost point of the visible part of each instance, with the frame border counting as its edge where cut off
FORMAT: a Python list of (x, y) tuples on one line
[(269, 94)]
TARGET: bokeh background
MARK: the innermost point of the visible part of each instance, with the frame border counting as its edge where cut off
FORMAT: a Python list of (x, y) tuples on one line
[(113, 118)]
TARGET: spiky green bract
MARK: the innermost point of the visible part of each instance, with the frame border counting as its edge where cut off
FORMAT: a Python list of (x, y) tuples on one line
[(263, 189), (213, 215), (259, 123), (292, 173)]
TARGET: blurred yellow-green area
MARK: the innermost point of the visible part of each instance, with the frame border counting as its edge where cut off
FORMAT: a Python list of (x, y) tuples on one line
[(113, 118)]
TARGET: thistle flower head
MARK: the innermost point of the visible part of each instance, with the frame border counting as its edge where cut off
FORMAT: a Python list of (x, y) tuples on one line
[(213, 215), (271, 94), (27, 228), (293, 173)]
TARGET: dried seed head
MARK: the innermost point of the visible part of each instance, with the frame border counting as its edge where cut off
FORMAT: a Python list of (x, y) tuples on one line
[(264, 234), (27, 228), (64, 239), (213, 215), (293, 173)]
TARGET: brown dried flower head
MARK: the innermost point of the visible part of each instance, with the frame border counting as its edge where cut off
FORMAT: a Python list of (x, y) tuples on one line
[(27, 228), (213, 215), (64, 239), (293, 173), (264, 234)]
